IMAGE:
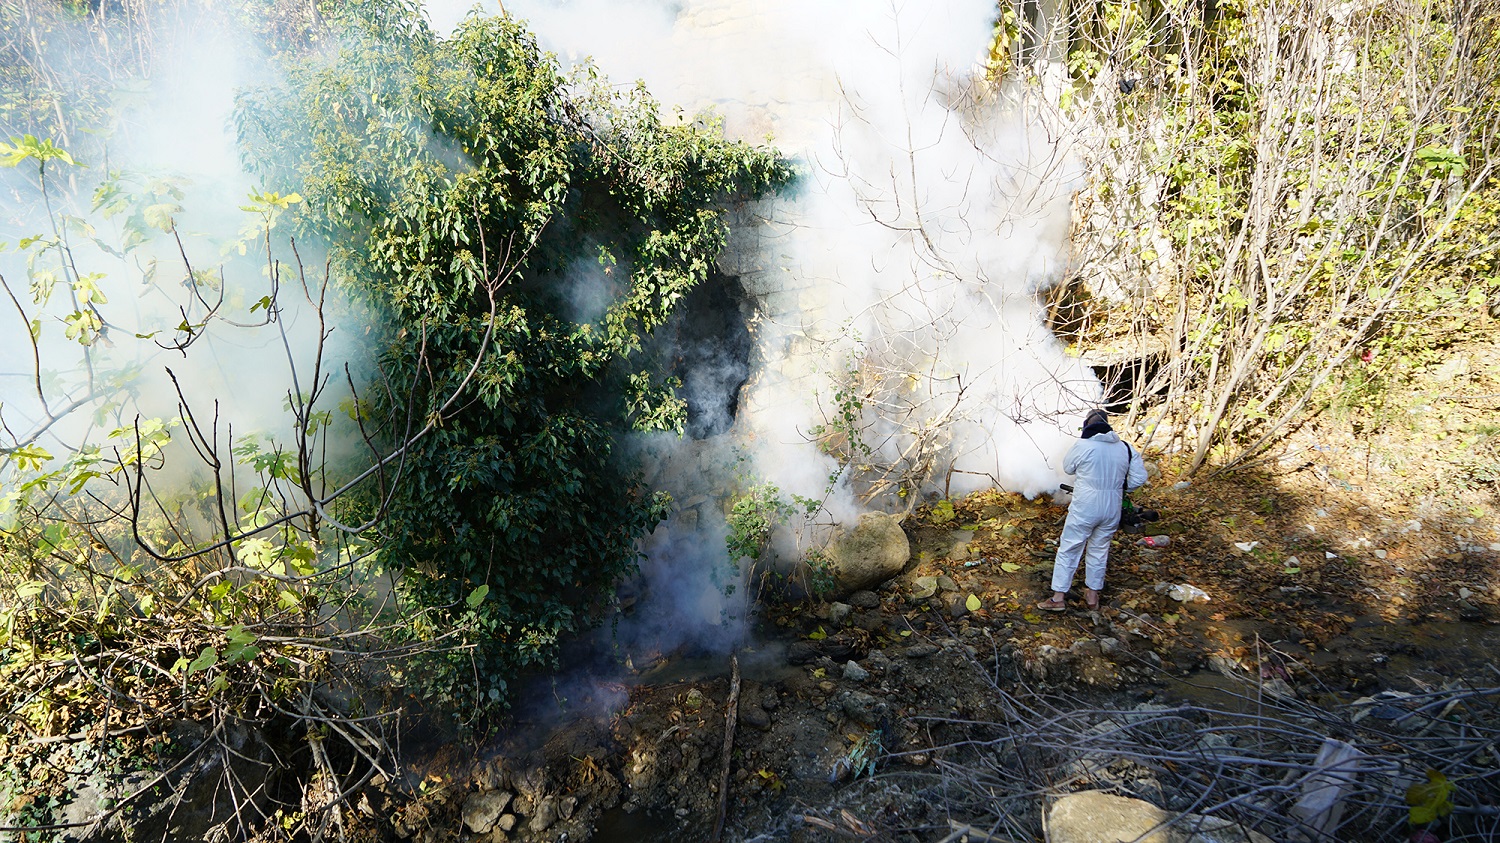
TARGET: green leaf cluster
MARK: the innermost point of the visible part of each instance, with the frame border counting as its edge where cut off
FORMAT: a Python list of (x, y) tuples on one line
[(463, 185)]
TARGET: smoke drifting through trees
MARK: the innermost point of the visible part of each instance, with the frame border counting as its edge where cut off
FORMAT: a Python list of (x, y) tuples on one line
[(930, 216), (226, 591), (168, 156), (904, 275), (899, 344)]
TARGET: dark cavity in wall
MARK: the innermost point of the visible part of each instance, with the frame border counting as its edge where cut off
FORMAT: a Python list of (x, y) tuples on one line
[(1128, 380), (1131, 370), (707, 345)]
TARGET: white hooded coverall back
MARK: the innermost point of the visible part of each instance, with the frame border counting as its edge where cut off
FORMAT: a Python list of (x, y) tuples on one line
[(1104, 466)]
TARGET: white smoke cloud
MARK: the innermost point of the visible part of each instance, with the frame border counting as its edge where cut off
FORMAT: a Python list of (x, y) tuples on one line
[(926, 226), (173, 143), (927, 222)]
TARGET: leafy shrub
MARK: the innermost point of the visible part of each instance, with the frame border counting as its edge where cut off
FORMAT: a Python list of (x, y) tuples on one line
[(462, 183)]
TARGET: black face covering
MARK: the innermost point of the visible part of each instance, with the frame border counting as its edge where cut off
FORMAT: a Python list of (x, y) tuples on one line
[(1095, 423)]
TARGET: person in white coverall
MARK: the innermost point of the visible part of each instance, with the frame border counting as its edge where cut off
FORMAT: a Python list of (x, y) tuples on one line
[(1106, 467)]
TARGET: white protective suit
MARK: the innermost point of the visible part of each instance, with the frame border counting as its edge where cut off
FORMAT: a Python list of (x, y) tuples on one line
[(1104, 466)]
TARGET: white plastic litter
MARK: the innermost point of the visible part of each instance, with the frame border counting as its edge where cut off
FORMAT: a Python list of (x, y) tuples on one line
[(1186, 593), (1246, 547), (1320, 808)]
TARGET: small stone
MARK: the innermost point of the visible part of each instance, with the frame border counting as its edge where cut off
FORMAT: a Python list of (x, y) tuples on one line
[(946, 583), (920, 651), (801, 652), (923, 588), (865, 599), (1085, 647), (493, 776), (755, 717), (506, 823), (862, 708), (545, 816), (839, 612), (482, 809), (855, 673), (1224, 666), (1464, 593), (1379, 554), (1279, 688)]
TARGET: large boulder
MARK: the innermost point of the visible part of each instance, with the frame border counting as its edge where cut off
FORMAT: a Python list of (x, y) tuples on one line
[(1096, 817), (868, 555)]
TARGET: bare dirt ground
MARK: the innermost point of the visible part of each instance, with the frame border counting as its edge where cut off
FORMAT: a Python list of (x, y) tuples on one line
[(1361, 558), (1360, 562)]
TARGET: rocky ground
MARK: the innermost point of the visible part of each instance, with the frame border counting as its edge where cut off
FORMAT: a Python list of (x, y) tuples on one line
[(1285, 608), (1347, 590), (1295, 588), (1350, 583)]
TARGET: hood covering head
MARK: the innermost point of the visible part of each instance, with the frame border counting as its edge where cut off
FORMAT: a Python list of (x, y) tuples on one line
[(1095, 423)]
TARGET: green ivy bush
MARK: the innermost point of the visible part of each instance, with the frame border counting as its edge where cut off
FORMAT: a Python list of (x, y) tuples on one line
[(459, 183)]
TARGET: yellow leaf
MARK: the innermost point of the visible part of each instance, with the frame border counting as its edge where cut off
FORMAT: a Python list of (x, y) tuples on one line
[(1430, 800), (973, 603)]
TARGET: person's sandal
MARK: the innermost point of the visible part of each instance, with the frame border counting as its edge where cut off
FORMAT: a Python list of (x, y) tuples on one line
[(1051, 605), (1091, 599)]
